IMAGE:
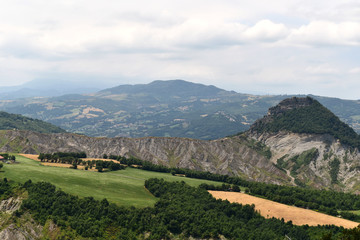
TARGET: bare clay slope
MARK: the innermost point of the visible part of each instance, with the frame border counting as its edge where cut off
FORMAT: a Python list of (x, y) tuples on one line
[(224, 156), (311, 145)]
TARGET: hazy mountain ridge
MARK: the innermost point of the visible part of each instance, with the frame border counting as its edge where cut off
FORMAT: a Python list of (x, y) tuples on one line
[(162, 108)]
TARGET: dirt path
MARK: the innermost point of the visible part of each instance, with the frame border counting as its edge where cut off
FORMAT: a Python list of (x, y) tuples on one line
[(269, 209)]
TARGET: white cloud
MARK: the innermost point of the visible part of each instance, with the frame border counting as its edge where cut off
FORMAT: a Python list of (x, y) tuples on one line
[(355, 70), (266, 30), (327, 33), (321, 69), (225, 43)]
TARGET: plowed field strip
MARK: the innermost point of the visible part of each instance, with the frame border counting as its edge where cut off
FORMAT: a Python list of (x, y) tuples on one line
[(298, 216)]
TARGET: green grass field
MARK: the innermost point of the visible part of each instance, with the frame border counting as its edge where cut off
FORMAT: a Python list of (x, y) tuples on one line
[(124, 187)]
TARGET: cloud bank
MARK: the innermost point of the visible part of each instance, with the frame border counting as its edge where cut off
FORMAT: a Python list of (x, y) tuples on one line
[(277, 47)]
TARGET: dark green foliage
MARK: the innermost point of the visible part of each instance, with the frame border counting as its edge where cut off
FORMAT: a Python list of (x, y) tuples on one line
[(6, 189), (350, 216), (15, 121), (323, 200), (181, 210), (6, 156), (315, 119), (259, 147), (303, 159), (281, 163), (74, 159), (334, 170)]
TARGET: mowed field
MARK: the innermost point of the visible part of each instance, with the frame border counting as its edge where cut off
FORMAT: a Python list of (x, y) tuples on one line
[(123, 187), (298, 216)]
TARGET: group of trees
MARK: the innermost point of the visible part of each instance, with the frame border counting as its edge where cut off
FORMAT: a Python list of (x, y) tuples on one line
[(76, 159), (7, 156), (181, 210), (327, 201), (61, 156), (330, 202)]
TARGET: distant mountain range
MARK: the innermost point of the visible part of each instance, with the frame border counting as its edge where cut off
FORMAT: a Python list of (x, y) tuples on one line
[(173, 108), (48, 88)]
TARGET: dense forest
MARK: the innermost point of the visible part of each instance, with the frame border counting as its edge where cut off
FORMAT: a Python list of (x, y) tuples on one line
[(10, 121), (181, 211), (326, 201), (314, 118)]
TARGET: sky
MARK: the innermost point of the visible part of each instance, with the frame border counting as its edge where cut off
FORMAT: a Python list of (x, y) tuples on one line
[(257, 46)]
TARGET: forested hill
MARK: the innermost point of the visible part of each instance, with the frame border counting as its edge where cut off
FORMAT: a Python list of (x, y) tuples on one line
[(306, 115), (10, 121), (173, 108), (167, 90)]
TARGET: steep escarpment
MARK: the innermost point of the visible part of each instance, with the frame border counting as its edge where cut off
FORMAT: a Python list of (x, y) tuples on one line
[(310, 144), (234, 156)]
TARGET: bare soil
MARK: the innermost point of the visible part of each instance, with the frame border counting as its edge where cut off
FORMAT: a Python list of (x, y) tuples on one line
[(269, 209)]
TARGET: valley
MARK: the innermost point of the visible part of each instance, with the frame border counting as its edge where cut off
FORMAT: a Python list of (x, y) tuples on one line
[(298, 143), (174, 108)]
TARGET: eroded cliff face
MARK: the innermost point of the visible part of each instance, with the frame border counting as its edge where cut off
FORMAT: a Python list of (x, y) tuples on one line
[(224, 156), (319, 161), (25, 227)]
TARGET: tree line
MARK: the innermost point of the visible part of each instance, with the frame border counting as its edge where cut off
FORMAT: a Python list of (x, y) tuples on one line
[(181, 211), (75, 159), (7, 156), (326, 201)]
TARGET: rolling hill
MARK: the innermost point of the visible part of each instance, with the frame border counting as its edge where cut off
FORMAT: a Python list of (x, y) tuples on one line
[(15, 121), (162, 108)]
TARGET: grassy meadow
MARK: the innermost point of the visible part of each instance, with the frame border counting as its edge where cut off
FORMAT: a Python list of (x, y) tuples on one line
[(124, 187)]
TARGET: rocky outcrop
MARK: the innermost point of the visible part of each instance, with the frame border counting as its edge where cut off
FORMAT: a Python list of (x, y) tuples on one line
[(24, 228), (318, 172), (28, 231), (224, 156), (10, 205)]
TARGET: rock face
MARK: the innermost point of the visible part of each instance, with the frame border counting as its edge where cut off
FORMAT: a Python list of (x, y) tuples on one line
[(334, 166), (27, 229), (224, 156), (27, 232), (10, 205), (308, 157)]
